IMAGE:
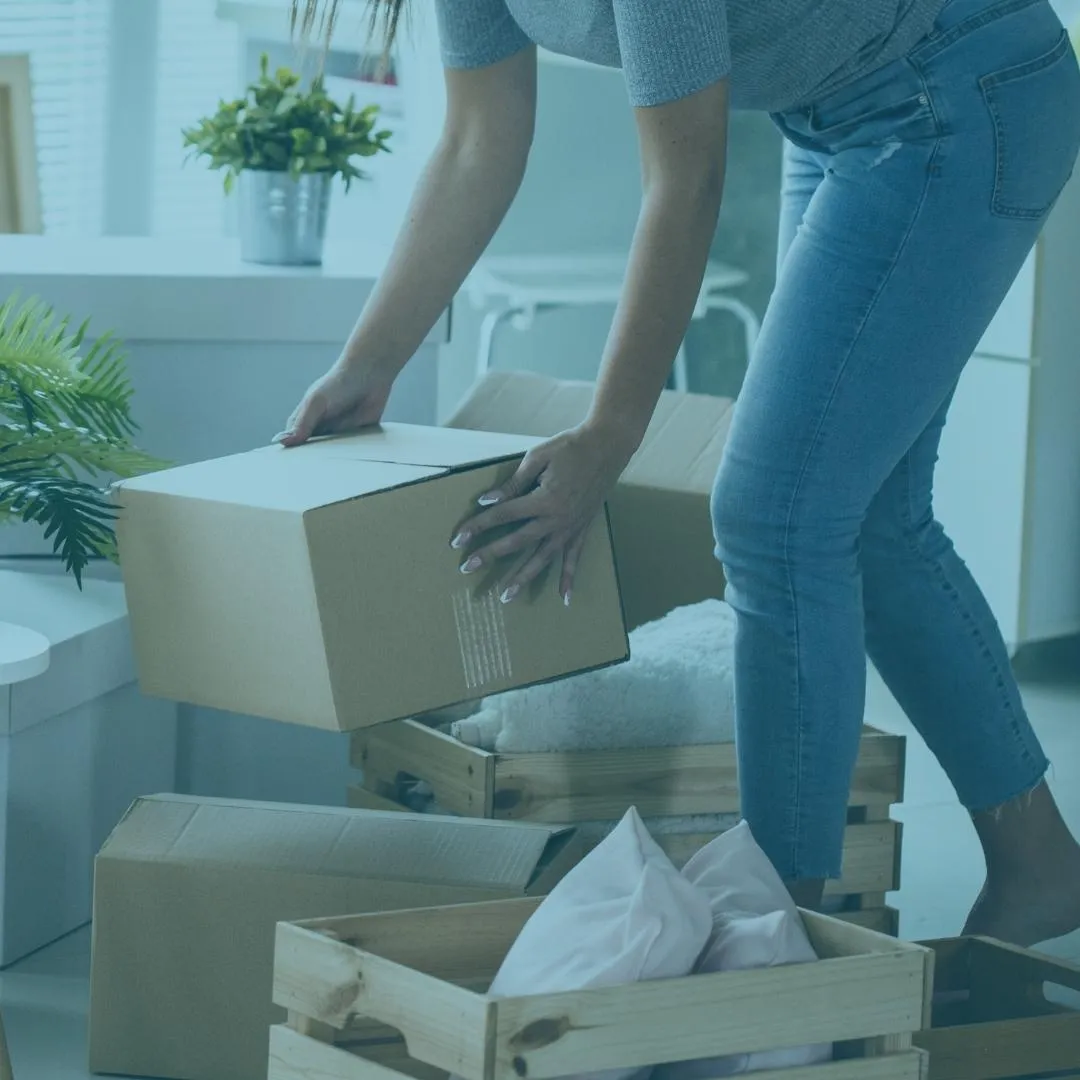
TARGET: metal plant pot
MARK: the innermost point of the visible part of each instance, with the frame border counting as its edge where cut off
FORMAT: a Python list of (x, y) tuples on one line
[(282, 220)]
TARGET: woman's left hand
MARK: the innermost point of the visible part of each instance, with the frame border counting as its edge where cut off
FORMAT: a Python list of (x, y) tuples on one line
[(553, 498)]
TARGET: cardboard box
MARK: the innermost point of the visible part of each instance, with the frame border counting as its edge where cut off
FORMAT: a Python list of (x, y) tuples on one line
[(659, 513), (77, 744), (318, 586), (188, 892)]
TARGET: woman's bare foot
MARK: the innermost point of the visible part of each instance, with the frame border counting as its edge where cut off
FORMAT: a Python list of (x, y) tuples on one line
[(1032, 891), (1027, 912)]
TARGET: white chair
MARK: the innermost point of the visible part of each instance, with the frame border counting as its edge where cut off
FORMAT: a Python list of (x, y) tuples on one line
[(517, 288)]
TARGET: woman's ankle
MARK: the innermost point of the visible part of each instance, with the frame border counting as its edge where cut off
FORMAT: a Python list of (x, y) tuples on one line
[(1026, 835), (807, 894)]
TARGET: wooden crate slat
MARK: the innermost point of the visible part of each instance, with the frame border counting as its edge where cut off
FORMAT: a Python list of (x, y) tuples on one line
[(902, 1066), (854, 997), (328, 981), (1002, 1049), (882, 920), (869, 856), (433, 941), (1005, 965), (295, 1057), (395, 1056), (952, 972), (994, 1020), (833, 937), (869, 866), (462, 777), (359, 798), (599, 785), (662, 782), (299, 1057), (575, 786)]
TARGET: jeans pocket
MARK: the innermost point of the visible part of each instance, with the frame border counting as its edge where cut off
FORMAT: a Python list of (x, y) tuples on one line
[(1035, 109)]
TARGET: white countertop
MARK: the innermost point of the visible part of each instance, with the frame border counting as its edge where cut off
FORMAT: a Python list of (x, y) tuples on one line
[(157, 289), (172, 258)]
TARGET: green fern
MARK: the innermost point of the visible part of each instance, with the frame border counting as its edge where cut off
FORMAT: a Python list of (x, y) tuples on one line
[(65, 431)]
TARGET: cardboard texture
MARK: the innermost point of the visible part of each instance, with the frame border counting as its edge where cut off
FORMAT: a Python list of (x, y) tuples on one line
[(305, 585), (188, 893), (659, 513)]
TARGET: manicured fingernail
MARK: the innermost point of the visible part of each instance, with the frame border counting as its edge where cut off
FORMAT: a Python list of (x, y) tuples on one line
[(566, 598), (281, 436), (471, 565), (510, 593), (490, 499), (461, 540)]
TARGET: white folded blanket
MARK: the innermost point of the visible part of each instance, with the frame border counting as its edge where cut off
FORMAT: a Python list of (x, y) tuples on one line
[(677, 689)]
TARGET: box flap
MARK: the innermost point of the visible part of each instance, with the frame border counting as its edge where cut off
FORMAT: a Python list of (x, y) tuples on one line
[(681, 450), (408, 444), (90, 638), (335, 842), (271, 478), (684, 444), (329, 471)]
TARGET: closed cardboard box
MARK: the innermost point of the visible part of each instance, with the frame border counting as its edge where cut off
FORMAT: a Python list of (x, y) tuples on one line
[(317, 585), (188, 892), (659, 513)]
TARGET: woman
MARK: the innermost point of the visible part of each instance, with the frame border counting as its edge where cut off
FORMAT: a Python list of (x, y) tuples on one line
[(927, 140)]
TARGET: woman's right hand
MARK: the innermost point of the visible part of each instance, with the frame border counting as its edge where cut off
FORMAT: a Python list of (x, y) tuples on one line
[(348, 397)]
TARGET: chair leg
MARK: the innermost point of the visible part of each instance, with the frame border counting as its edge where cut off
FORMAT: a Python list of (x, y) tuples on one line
[(492, 321), (745, 315), (680, 372)]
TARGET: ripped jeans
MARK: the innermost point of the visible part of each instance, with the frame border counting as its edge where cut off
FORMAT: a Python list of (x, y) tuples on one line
[(910, 201)]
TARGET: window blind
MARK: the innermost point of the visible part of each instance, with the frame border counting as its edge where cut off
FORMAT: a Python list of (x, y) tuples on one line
[(67, 41), (199, 63)]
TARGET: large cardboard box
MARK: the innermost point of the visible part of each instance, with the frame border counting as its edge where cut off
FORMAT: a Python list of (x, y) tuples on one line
[(659, 513), (77, 744), (317, 585), (188, 892)]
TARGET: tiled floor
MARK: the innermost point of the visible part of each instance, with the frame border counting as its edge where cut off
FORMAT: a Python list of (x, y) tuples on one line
[(45, 998)]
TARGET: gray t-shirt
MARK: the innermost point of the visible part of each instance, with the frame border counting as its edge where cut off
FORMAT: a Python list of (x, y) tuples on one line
[(778, 54)]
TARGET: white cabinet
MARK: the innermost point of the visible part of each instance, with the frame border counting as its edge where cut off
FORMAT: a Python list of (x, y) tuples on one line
[(1008, 480)]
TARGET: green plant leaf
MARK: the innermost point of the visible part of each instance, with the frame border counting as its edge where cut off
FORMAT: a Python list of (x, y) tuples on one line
[(280, 126), (65, 420)]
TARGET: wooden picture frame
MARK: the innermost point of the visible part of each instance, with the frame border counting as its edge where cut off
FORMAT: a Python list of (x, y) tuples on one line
[(20, 198)]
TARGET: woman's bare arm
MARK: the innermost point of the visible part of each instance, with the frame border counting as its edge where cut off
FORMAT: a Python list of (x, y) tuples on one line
[(461, 199), (683, 153)]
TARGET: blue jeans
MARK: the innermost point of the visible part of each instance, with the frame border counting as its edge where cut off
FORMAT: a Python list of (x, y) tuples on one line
[(910, 201)]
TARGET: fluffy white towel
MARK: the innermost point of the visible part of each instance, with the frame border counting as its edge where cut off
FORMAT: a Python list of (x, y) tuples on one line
[(676, 689)]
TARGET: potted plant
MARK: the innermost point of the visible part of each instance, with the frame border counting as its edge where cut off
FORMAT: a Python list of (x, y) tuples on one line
[(65, 431), (286, 144)]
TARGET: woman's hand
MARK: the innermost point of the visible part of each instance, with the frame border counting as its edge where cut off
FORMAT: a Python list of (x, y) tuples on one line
[(553, 498), (349, 396)]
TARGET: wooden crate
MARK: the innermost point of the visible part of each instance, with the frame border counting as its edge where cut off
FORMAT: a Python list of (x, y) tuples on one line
[(379, 997), (992, 1016), (591, 785)]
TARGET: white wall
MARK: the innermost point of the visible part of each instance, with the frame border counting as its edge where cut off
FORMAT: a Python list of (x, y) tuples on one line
[(581, 194)]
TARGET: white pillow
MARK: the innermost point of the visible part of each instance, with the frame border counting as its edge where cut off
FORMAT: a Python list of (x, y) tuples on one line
[(624, 914), (755, 924)]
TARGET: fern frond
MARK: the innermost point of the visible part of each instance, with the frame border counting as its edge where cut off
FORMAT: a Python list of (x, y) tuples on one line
[(76, 451), (75, 515), (35, 342), (65, 422)]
